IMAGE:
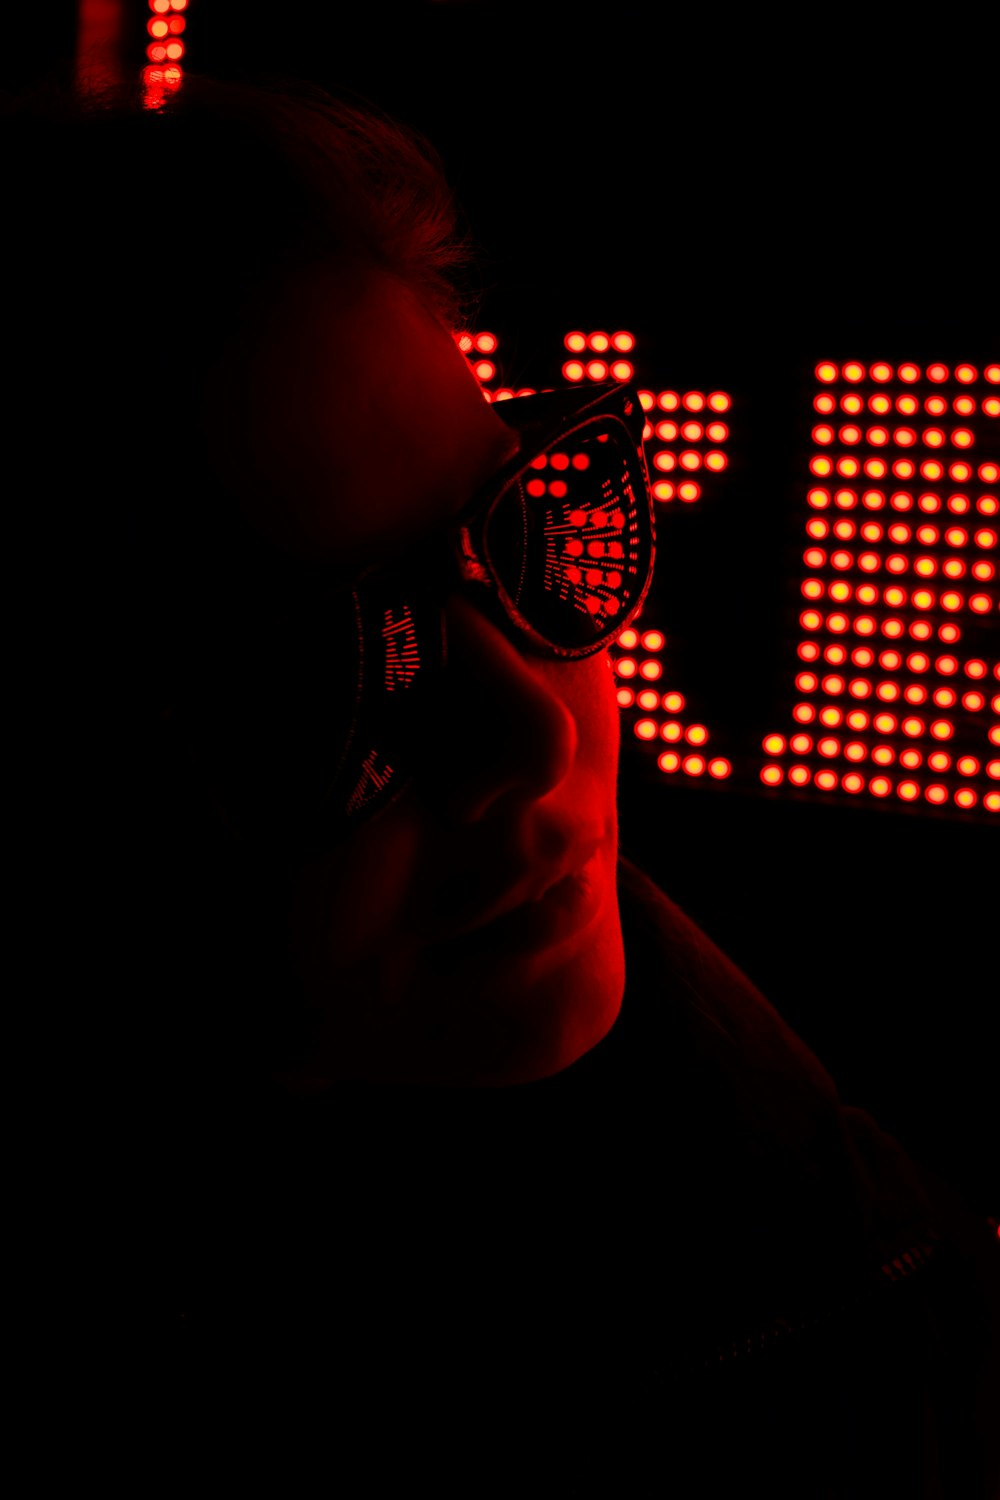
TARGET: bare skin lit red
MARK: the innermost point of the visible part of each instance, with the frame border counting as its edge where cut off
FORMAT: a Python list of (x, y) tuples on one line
[(468, 933)]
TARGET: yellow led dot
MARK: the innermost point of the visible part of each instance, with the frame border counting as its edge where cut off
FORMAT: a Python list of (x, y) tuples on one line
[(645, 729), (771, 775), (774, 744), (669, 760)]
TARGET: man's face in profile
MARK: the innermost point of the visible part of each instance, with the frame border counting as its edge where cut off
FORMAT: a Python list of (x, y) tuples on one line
[(353, 429)]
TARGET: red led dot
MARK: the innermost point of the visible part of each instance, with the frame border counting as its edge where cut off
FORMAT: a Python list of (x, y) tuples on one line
[(575, 342), (909, 373), (965, 373), (597, 370), (621, 370), (623, 342), (572, 370), (668, 401), (599, 342), (719, 401)]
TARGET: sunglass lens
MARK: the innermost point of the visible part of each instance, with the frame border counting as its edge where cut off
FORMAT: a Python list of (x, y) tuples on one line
[(570, 537)]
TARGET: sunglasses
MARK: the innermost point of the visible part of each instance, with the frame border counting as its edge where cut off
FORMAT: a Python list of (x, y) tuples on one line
[(556, 550)]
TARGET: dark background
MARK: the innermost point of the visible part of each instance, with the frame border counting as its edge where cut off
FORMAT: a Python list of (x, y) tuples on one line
[(747, 193)]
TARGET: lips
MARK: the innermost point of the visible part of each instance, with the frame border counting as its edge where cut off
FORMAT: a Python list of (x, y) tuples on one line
[(523, 904)]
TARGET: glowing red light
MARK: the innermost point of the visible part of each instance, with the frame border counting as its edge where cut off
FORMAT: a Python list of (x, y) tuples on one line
[(597, 370), (909, 373), (668, 400), (484, 369), (572, 370), (719, 401), (854, 371), (689, 490), (175, 50), (157, 28), (599, 342), (826, 372), (623, 342), (575, 342), (965, 373), (621, 370)]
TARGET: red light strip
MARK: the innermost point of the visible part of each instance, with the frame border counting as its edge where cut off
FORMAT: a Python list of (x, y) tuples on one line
[(165, 50), (888, 531)]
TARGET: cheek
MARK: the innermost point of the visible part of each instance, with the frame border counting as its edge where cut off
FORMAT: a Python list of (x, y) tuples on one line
[(345, 907)]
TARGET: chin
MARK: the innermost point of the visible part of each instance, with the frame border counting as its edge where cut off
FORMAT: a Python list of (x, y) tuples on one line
[(522, 1027)]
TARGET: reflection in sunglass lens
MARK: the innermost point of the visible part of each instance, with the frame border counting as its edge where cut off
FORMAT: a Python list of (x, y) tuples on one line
[(568, 539)]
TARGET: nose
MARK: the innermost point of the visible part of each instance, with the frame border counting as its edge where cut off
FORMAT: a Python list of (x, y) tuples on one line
[(502, 731)]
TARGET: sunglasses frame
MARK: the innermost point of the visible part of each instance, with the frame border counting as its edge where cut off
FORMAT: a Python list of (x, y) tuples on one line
[(545, 420)]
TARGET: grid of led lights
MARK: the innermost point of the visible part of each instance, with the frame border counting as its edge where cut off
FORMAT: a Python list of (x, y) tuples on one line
[(165, 49), (684, 435), (896, 689)]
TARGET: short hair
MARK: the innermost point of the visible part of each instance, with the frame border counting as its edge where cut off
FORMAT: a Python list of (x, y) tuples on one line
[(138, 241)]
